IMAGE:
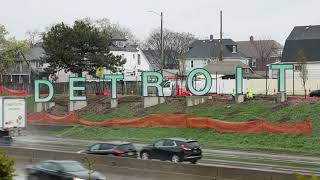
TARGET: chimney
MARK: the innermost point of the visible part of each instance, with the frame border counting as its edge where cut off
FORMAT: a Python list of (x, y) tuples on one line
[(251, 38), (211, 37)]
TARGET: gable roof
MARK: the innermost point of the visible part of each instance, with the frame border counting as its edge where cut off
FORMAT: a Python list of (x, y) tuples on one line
[(249, 48), (306, 38), (224, 67), (211, 49), (152, 58), (228, 68)]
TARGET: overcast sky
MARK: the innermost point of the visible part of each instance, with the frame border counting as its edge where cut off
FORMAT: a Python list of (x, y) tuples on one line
[(242, 18)]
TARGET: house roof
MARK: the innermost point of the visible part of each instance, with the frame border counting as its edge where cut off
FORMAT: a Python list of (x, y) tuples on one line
[(306, 38), (153, 59), (35, 53), (211, 48), (249, 48), (228, 68), (224, 67)]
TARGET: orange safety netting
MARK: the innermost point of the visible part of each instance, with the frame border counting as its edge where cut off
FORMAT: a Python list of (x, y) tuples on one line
[(181, 121), (4, 90)]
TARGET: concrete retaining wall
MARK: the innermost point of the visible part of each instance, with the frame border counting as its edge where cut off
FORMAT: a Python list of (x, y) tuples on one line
[(195, 100), (41, 107), (155, 170), (152, 101), (76, 105)]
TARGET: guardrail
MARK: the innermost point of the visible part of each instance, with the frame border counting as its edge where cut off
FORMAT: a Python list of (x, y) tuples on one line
[(154, 170)]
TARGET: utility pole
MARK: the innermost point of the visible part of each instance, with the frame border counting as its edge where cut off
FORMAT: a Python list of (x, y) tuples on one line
[(221, 45), (161, 36), (162, 63)]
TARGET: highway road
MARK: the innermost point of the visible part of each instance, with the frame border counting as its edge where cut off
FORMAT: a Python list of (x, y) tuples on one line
[(293, 163)]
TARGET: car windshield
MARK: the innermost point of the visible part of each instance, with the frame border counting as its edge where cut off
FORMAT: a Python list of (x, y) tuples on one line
[(72, 167)]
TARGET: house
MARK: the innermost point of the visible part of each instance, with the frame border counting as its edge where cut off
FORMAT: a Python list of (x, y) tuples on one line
[(25, 67), (136, 61), (307, 39), (260, 53), (204, 52)]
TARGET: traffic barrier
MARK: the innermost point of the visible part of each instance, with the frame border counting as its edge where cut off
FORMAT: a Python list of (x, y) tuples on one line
[(182, 121), (4, 90), (155, 170)]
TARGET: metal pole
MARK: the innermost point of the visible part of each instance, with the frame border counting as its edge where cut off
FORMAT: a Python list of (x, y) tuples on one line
[(293, 81), (216, 82), (161, 36), (221, 45), (267, 81)]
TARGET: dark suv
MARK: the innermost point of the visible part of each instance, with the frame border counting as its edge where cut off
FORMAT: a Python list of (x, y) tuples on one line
[(116, 148), (173, 149), (315, 93)]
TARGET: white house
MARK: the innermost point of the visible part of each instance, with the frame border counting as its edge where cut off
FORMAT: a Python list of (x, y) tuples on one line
[(136, 62)]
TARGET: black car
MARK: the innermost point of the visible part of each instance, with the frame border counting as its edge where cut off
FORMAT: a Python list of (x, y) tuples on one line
[(116, 148), (173, 149), (315, 93), (61, 170)]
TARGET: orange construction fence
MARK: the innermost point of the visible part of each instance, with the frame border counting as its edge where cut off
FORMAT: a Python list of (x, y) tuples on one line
[(4, 90), (182, 121)]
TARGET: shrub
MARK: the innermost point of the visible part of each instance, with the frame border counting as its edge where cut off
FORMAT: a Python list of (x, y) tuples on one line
[(6, 166), (302, 177)]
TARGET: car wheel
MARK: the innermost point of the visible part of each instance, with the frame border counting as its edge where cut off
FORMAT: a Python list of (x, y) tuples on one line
[(145, 156), (193, 161), (175, 158)]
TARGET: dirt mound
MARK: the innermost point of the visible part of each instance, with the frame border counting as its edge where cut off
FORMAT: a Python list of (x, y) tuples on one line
[(61, 106)]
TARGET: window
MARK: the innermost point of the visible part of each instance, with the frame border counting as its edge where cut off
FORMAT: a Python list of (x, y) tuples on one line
[(169, 143), (95, 147), (133, 56), (126, 147), (192, 144), (297, 68), (159, 143), (120, 44), (191, 64), (234, 49), (139, 59), (50, 166), (253, 63), (106, 146)]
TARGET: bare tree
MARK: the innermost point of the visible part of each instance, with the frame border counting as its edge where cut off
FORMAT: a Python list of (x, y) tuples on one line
[(89, 163), (33, 36), (302, 64), (265, 50), (176, 44), (113, 28)]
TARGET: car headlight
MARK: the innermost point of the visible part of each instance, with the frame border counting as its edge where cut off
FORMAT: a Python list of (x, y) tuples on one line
[(76, 178)]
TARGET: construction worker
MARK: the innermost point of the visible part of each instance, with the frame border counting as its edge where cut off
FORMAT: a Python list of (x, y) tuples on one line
[(250, 94)]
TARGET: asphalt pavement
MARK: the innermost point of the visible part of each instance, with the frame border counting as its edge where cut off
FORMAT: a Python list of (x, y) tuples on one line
[(294, 163)]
